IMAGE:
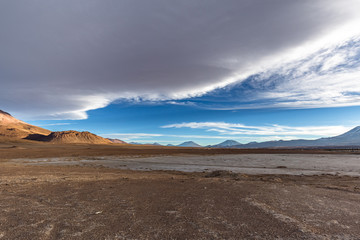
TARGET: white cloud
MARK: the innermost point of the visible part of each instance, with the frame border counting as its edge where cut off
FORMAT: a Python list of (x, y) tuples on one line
[(334, 83), (150, 136), (327, 78), (279, 131), (240, 132), (54, 124), (206, 139), (131, 136)]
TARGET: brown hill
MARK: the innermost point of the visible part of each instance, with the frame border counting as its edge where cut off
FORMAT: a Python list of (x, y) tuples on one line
[(115, 140), (11, 127), (70, 137)]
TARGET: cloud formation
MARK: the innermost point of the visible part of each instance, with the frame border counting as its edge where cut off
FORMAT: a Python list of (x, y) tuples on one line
[(146, 137), (223, 131), (327, 78), (232, 129), (60, 59)]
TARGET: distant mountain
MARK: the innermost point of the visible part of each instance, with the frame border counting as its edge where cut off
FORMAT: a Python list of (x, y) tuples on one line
[(154, 144), (189, 144), (170, 145), (350, 138), (115, 140), (226, 144)]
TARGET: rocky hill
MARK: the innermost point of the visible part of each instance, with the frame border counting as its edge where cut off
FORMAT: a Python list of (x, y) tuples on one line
[(71, 136), (12, 129)]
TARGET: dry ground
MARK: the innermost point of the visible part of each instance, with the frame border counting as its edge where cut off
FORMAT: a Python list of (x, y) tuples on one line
[(77, 202), (10, 149)]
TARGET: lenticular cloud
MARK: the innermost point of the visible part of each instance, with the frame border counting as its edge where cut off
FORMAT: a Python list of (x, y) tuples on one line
[(60, 59)]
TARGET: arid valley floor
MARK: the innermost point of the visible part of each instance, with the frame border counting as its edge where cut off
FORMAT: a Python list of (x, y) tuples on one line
[(124, 192)]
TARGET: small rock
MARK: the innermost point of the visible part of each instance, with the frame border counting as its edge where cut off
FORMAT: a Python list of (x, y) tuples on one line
[(277, 180), (332, 222)]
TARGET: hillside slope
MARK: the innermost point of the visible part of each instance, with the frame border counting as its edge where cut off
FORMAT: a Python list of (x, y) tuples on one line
[(11, 127), (71, 136)]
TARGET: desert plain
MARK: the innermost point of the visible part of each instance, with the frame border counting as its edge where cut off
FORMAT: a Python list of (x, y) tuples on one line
[(188, 120), (85, 191)]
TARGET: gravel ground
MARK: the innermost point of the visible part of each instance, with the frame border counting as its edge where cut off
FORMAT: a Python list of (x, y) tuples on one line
[(94, 202)]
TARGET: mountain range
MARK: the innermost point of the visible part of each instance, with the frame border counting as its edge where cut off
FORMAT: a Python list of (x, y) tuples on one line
[(12, 128), (153, 144), (184, 144), (349, 139)]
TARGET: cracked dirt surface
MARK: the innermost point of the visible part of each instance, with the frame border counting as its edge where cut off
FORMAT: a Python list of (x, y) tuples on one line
[(74, 202)]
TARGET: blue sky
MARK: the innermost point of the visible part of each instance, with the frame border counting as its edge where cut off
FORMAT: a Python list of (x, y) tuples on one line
[(148, 123), (173, 71)]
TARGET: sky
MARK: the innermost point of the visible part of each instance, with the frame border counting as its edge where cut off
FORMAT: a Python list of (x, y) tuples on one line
[(173, 71)]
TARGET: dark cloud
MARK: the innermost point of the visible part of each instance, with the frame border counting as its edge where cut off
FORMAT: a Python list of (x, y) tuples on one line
[(62, 58)]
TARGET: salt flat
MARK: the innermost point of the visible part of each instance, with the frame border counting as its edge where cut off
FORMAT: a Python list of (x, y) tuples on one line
[(292, 164)]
